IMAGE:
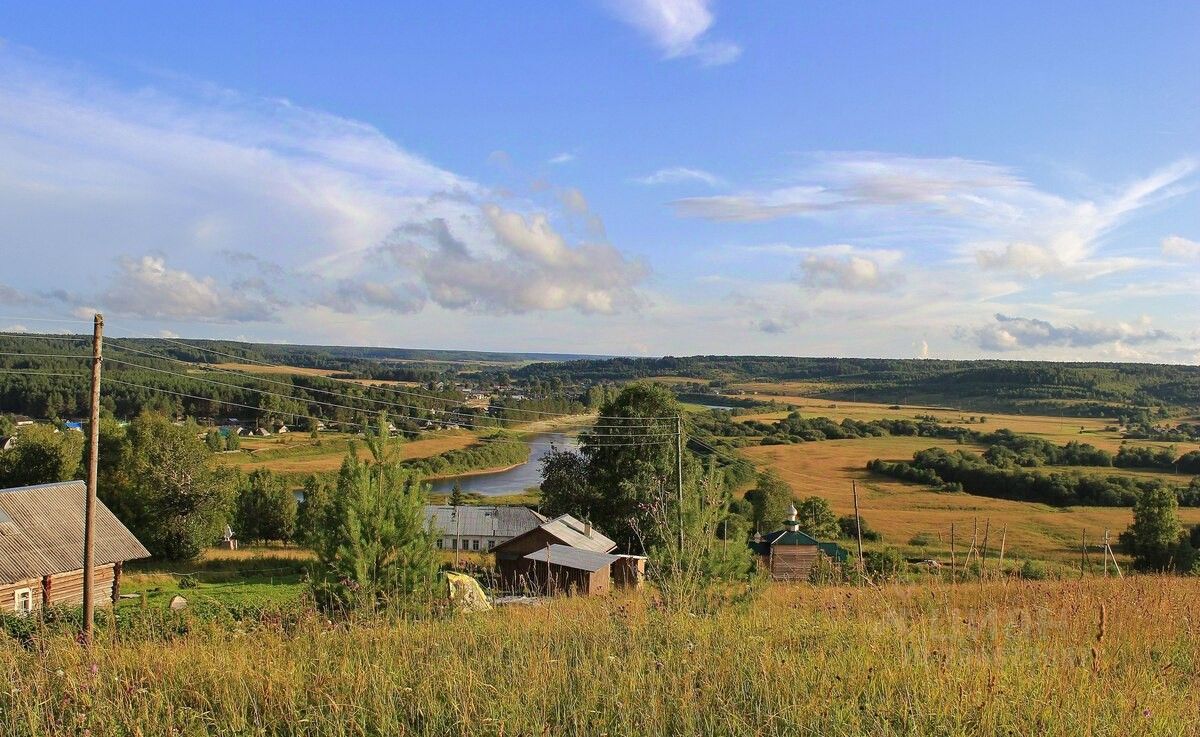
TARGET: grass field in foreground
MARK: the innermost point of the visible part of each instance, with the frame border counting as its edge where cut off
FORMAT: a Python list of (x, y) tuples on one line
[(1094, 657)]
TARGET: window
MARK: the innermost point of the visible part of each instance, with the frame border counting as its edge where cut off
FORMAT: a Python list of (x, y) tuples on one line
[(456, 543), (23, 601), (441, 543), (491, 544), (475, 544)]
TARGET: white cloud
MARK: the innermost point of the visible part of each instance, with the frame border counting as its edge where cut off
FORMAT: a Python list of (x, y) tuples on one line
[(678, 28), (1009, 333), (531, 268), (14, 329), (1183, 249), (562, 158), (148, 288), (850, 269), (680, 175), (574, 201)]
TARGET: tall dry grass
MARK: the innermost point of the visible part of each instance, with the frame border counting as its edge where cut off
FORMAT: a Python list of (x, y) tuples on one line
[(996, 658)]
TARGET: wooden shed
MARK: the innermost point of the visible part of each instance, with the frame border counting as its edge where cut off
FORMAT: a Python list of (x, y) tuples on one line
[(562, 569), (41, 547), (791, 555), (516, 570)]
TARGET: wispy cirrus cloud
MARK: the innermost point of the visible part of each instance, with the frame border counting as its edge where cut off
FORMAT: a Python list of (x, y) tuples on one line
[(679, 28), (977, 210), (301, 203), (680, 175), (1180, 248)]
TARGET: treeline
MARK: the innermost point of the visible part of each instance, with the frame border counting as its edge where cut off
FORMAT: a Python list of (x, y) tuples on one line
[(1128, 391), (961, 470), (1184, 432), (493, 451)]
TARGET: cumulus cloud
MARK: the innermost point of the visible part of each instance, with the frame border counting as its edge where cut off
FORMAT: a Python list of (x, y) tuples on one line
[(531, 267), (1009, 333), (10, 296), (574, 200), (848, 268), (1183, 249), (147, 288), (680, 175), (679, 28)]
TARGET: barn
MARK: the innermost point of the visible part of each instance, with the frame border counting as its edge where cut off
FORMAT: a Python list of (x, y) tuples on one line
[(41, 547), (791, 555), (516, 570), (562, 569)]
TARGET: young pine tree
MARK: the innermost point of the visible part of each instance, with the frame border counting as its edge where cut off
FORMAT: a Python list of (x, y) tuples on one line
[(374, 552)]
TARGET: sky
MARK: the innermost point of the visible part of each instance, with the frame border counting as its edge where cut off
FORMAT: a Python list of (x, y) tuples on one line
[(635, 177)]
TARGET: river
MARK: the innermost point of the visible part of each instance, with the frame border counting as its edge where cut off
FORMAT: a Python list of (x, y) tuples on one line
[(512, 480)]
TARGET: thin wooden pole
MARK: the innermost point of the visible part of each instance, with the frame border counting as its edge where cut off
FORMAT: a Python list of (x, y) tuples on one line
[(1003, 539), (953, 557), (1082, 552), (987, 528), (1105, 556), (89, 506), (857, 525)]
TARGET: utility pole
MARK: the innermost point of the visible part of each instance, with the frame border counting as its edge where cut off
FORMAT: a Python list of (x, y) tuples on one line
[(857, 524), (679, 478), (89, 505)]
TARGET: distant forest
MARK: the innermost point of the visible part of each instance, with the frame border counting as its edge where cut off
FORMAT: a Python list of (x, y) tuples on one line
[(1131, 393), (1115, 390)]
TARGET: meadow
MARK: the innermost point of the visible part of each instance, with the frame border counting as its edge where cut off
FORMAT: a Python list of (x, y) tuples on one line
[(904, 512), (1097, 656), (297, 453)]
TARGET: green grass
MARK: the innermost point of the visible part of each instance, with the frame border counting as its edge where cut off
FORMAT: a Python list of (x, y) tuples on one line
[(1101, 657)]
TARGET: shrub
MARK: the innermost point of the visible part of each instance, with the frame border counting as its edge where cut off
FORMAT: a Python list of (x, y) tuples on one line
[(1033, 570), (922, 539)]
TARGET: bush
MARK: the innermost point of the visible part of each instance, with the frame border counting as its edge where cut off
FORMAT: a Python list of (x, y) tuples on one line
[(884, 563), (1033, 570), (922, 539)]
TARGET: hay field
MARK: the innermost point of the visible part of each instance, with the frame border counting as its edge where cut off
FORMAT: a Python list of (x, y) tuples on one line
[(901, 510), (254, 368), (297, 453), (1092, 657)]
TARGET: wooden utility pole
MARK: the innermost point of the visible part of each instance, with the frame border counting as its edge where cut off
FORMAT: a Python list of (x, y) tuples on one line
[(679, 478), (987, 528), (1003, 539), (857, 524), (89, 505)]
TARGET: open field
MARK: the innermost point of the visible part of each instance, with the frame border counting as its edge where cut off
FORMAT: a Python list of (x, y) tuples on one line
[(901, 510), (1100, 657), (255, 368), (1058, 430), (297, 453)]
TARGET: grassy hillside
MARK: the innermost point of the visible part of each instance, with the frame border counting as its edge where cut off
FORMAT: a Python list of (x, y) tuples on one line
[(1058, 658)]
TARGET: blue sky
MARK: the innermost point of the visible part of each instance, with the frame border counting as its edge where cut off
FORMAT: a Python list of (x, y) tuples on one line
[(611, 176)]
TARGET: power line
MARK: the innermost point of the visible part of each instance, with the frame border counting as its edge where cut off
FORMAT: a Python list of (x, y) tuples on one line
[(384, 388), (287, 396), (339, 395)]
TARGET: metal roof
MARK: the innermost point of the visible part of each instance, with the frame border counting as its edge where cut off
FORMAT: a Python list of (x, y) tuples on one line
[(43, 534), (569, 557), (574, 533), (479, 521)]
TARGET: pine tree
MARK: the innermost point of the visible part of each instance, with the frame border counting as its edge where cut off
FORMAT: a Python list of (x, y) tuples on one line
[(375, 553)]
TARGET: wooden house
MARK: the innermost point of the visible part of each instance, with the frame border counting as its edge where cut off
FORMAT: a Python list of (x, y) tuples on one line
[(516, 570), (41, 547), (791, 555)]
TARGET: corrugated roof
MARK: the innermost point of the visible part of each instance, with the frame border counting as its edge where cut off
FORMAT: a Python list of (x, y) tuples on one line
[(573, 532), (789, 537), (479, 521), (569, 557), (44, 534)]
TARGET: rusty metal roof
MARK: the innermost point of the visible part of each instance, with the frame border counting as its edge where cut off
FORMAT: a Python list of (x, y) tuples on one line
[(41, 532)]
